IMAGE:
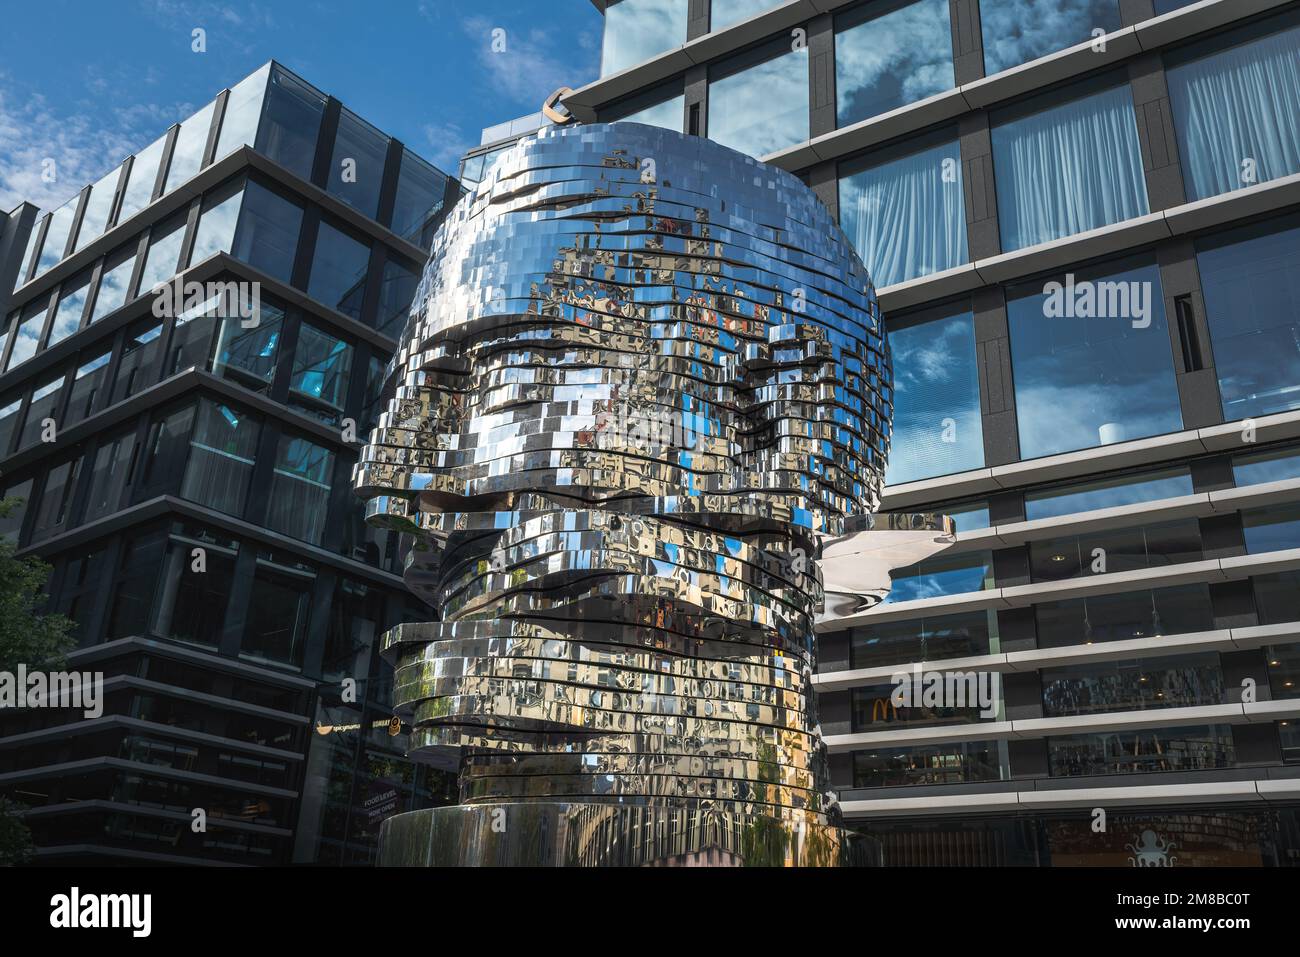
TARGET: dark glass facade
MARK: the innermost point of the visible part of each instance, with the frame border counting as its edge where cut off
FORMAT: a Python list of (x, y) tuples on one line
[(184, 452)]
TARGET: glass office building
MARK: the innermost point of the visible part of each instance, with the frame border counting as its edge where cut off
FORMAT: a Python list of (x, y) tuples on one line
[(1083, 219), (190, 354)]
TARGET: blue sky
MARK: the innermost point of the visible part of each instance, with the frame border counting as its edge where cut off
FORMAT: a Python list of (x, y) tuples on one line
[(87, 82)]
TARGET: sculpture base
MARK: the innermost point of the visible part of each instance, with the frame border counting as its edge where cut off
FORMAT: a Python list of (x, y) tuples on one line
[(606, 835)]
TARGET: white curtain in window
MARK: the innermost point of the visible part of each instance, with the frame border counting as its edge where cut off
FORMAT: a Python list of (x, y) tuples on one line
[(906, 217), (1237, 115), (1068, 169)]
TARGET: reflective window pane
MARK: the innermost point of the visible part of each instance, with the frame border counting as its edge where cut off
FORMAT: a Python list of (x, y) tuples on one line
[(636, 30), (1120, 617), (1097, 345), (87, 384), (9, 409), (666, 114), (222, 449), (187, 155), (300, 489), (163, 256), (56, 238), (399, 284), (44, 401), (72, 304), (919, 197), (54, 507), (1017, 31), (1237, 113), (759, 108), (278, 610), (248, 355), (322, 368), (267, 236), (1108, 493), (724, 13), (113, 281), (28, 336), (17, 496), (936, 577), (1271, 529), (1250, 278), (338, 271), (1068, 168), (143, 177), (888, 55), (291, 122), (1275, 465), (137, 369), (110, 476), (25, 264), (1115, 550), (243, 110), (357, 166), (216, 229), (420, 191), (98, 208), (937, 429)]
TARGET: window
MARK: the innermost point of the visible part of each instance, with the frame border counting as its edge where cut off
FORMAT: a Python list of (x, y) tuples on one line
[(928, 764), (248, 356), (375, 401), (1068, 168), (99, 206), (55, 508), (395, 294), (9, 409), (476, 168), (1250, 278), (726, 12), (56, 237), (278, 608), (1017, 31), (44, 403), (1274, 465), (160, 593), (1108, 493), (1132, 685), (162, 260), (31, 324), (111, 475), (1271, 529), (1115, 550), (216, 229), (636, 30), (25, 264), (142, 179), (191, 141), (300, 489), (1096, 346), (267, 235), (968, 517), (322, 366), (873, 710), (937, 427), (291, 122), (18, 496), (72, 305), (114, 281), (925, 639), (891, 54), (1120, 617), (1141, 750), (1277, 597), (420, 192), (356, 619), (906, 216), (945, 575), (87, 384), (243, 110), (222, 449), (1236, 109), (758, 102), (665, 113), (338, 271), (137, 369), (357, 167)]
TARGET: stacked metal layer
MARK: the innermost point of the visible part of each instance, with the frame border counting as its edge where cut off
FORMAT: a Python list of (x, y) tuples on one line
[(642, 380)]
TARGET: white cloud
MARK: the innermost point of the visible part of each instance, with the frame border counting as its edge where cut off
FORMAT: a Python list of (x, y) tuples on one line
[(529, 68), (447, 143)]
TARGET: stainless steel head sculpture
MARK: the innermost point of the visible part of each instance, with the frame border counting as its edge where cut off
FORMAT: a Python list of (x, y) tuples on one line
[(644, 380)]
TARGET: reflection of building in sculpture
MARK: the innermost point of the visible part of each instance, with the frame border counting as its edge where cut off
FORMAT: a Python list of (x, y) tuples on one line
[(643, 380)]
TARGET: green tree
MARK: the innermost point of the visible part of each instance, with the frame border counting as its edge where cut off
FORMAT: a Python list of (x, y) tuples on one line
[(29, 637)]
